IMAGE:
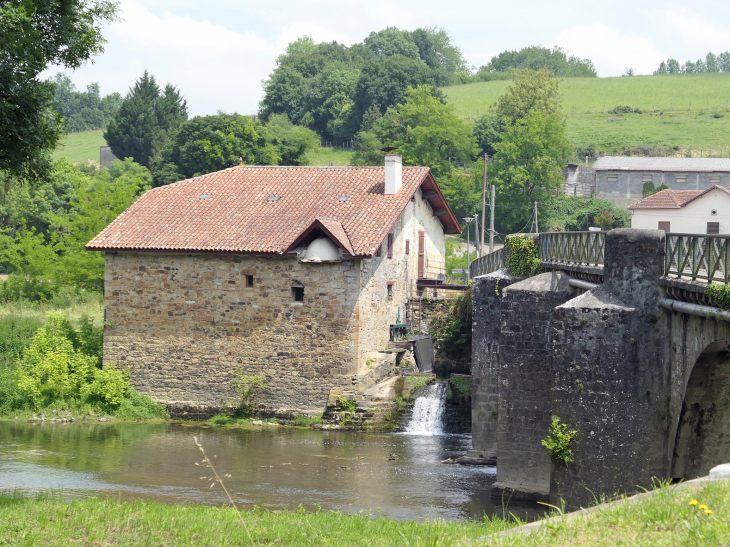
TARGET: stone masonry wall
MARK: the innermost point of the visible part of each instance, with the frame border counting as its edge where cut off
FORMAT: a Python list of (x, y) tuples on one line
[(525, 379), (487, 293), (183, 323)]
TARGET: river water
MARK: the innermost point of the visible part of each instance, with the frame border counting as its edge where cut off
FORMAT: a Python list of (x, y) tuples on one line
[(397, 475)]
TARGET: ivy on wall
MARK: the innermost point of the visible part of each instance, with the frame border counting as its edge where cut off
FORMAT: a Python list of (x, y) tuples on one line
[(523, 257), (719, 295)]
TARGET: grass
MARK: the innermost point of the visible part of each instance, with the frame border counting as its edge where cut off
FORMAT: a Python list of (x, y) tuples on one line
[(323, 156), (692, 131), (665, 518), (80, 147)]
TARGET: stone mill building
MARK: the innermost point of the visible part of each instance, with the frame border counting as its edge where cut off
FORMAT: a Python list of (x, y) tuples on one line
[(295, 273)]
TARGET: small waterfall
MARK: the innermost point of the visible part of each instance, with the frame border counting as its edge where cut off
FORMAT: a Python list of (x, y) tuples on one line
[(428, 410)]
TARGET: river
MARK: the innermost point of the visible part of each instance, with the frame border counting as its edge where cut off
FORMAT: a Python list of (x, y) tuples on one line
[(396, 475)]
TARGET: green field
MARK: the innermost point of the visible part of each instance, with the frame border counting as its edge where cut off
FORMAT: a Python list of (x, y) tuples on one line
[(676, 111), (80, 147)]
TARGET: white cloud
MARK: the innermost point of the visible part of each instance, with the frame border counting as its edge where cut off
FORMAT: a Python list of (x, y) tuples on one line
[(611, 51), (693, 35)]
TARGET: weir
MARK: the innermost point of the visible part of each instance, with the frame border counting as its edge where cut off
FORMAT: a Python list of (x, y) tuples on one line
[(428, 412)]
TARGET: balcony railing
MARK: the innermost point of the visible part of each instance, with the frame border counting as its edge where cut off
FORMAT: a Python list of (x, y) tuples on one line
[(574, 247), (488, 263), (698, 257)]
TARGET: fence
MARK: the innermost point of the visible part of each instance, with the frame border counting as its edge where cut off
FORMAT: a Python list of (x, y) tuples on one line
[(698, 257), (576, 247), (488, 263)]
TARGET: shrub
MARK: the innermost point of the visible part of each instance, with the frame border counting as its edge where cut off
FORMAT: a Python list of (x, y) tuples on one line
[(605, 221), (347, 404), (461, 386), (109, 385), (559, 442), (135, 406), (523, 258), (246, 389), (719, 295)]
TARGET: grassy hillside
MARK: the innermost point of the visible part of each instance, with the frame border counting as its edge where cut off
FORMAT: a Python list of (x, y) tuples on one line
[(676, 111), (80, 147)]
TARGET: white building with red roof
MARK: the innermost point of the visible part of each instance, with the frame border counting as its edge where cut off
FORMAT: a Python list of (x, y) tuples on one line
[(684, 211), (294, 273)]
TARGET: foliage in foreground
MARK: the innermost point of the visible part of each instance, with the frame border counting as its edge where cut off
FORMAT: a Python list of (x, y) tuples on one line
[(523, 256), (671, 516)]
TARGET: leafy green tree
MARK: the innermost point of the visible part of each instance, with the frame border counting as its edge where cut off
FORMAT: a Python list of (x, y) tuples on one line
[(556, 61), (436, 50), (82, 111), (292, 141), (531, 90), (98, 201), (206, 144), (142, 124), (425, 131), (527, 166), (391, 41), (34, 36), (487, 130), (383, 83), (574, 213)]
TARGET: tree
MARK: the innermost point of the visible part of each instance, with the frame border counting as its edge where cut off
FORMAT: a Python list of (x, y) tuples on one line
[(206, 144), (527, 166), (555, 60), (145, 119), (383, 82), (673, 66), (532, 90), (36, 35), (391, 41), (487, 130), (82, 111), (292, 141), (425, 131)]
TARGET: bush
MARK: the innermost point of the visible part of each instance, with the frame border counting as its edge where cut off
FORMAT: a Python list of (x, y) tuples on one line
[(523, 257), (719, 295), (559, 442), (349, 405), (572, 213), (246, 389), (135, 406)]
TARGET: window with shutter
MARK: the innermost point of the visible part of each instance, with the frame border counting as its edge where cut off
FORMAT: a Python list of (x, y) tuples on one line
[(390, 245), (664, 225), (408, 246), (713, 228)]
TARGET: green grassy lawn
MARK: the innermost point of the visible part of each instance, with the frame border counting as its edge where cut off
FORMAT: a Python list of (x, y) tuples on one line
[(666, 518), (323, 156), (693, 131), (80, 147)]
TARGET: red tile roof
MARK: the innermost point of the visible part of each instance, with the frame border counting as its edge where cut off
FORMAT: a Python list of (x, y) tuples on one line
[(674, 199), (254, 209)]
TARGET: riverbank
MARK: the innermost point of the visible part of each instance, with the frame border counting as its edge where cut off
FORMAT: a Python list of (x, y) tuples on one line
[(698, 516)]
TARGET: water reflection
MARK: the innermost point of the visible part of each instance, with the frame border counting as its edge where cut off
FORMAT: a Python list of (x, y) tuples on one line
[(270, 467)]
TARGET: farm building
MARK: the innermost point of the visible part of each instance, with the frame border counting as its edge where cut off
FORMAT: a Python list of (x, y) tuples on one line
[(684, 211), (296, 273), (624, 179)]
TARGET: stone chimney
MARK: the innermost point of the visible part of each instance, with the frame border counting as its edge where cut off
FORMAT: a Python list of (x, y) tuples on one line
[(393, 174)]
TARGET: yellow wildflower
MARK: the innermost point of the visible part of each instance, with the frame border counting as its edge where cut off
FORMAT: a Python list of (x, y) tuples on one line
[(703, 506), (708, 511), (694, 502)]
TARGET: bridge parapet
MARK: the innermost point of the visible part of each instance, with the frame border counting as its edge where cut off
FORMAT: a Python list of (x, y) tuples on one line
[(698, 257)]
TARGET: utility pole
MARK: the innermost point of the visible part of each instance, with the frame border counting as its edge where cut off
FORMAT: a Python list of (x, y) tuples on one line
[(477, 246), (468, 262), (537, 230), (484, 199), (491, 222)]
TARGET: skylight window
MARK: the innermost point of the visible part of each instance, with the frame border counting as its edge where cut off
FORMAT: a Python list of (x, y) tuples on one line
[(205, 196), (273, 198), (343, 198)]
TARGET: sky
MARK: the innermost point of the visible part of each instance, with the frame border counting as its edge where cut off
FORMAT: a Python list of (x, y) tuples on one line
[(218, 52)]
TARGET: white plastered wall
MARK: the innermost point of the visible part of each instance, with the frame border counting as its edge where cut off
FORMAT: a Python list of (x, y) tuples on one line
[(376, 312), (690, 219)]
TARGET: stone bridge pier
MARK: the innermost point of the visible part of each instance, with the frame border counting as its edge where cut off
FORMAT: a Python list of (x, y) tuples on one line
[(647, 388)]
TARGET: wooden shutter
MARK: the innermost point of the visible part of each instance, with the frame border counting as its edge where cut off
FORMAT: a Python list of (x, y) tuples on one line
[(664, 225), (713, 228), (408, 246), (390, 245), (421, 252)]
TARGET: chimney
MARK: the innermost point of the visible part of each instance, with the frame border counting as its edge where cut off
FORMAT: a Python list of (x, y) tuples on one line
[(393, 174)]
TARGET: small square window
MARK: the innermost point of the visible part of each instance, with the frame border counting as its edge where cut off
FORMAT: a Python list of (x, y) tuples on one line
[(390, 291), (297, 294), (664, 225), (680, 179), (713, 228), (612, 177), (249, 281), (647, 178), (714, 179)]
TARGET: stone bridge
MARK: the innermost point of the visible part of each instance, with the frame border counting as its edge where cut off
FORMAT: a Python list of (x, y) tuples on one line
[(618, 340)]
